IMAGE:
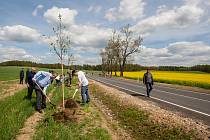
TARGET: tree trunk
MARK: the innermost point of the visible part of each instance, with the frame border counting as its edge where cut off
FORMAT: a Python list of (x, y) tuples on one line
[(111, 67), (122, 67), (121, 71), (62, 82)]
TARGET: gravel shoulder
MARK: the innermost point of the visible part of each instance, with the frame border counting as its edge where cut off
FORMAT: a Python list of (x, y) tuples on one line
[(159, 115)]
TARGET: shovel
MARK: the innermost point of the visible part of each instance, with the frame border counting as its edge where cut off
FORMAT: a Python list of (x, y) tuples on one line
[(44, 94), (76, 90)]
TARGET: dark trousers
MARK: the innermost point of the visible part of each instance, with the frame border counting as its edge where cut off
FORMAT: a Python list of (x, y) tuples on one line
[(84, 94), (21, 80), (70, 80), (149, 88), (40, 99), (30, 91)]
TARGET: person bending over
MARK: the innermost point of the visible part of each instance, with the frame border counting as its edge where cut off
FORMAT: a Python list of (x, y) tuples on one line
[(42, 80), (83, 84)]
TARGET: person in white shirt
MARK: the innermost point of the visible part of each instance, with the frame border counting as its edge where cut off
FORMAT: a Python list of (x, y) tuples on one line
[(83, 84)]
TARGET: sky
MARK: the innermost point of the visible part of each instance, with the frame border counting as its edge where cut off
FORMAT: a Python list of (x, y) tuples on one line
[(174, 32)]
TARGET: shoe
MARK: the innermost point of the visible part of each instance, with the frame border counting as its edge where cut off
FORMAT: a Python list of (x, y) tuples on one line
[(83, 104), (40, 111), (43, 107), (88, 101)]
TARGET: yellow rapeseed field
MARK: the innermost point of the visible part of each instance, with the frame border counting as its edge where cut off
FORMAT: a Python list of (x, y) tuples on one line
[(185, 78)]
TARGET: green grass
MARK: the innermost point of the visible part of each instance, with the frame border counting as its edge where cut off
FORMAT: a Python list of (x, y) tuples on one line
[(137, 122), (12, 72), (14, 111), (9, 73), (88, 129)]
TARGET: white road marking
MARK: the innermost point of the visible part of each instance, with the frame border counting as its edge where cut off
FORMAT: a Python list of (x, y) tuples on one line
[(193, 110), (169, 92), (186, 90)]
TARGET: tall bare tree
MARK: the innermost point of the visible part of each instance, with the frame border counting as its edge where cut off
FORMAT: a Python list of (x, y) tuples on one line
[(60, 46), (114, 45), (128, 46)]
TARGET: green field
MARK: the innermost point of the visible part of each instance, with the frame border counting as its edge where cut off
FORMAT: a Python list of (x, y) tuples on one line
[(12, 72)]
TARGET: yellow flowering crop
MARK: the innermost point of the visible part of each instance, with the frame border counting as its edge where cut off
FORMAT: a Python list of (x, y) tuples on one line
[(202, 78)]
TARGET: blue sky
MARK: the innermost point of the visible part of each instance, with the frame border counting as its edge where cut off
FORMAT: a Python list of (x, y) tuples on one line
[(175, 32)]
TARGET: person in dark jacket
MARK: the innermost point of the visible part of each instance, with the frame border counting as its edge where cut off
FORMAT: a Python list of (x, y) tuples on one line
[(21, 76), (30, 83), (148, 81), (27, 72), (69, 72)]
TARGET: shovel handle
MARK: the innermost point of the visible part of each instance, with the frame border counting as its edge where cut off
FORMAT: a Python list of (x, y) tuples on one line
[(43, 93)]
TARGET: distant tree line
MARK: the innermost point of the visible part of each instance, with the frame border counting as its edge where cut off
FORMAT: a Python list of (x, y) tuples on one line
[(40, 65), (128, 67)]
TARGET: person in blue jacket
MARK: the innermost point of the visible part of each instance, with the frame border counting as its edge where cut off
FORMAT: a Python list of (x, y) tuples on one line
[(42, 80)]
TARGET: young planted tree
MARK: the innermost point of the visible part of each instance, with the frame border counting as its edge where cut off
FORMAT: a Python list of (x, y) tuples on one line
[(60, 46)]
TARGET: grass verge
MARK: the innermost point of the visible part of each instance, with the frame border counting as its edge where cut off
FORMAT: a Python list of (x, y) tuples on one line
[(14, 111), (137, 122), (88, 129)]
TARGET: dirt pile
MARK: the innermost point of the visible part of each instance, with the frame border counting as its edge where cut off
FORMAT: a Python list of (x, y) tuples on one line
[(70, 103), (70, 113)]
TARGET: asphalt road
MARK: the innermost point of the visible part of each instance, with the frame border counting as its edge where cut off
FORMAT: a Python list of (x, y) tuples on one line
[(192, 104)]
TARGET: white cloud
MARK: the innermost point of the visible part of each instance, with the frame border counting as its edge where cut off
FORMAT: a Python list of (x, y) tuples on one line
[(84, 37), (178, 53), (92, 60), (37, 9), (94, 8), (13, 53), (88, 35), (178, 17), (127, 10), (18, 33), (68, 15)]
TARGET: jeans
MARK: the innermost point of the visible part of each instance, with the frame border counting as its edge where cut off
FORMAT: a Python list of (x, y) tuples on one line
[(40, 99), (84, 94), (149, 88)]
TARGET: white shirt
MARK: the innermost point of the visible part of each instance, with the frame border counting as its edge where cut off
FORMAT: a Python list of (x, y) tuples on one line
[(82, 79)]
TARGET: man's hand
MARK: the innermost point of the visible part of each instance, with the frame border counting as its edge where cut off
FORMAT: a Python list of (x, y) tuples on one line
[(78, 85)]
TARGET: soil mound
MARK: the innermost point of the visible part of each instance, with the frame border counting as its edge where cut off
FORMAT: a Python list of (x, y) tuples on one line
[(71, 103), (69, 113), (65, 116)]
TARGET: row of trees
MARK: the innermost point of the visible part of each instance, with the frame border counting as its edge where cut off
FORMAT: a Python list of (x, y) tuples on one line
[(128, 67), (120, 49)]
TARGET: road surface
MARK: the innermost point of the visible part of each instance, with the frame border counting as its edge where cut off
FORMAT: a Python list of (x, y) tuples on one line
[(191, 104)]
